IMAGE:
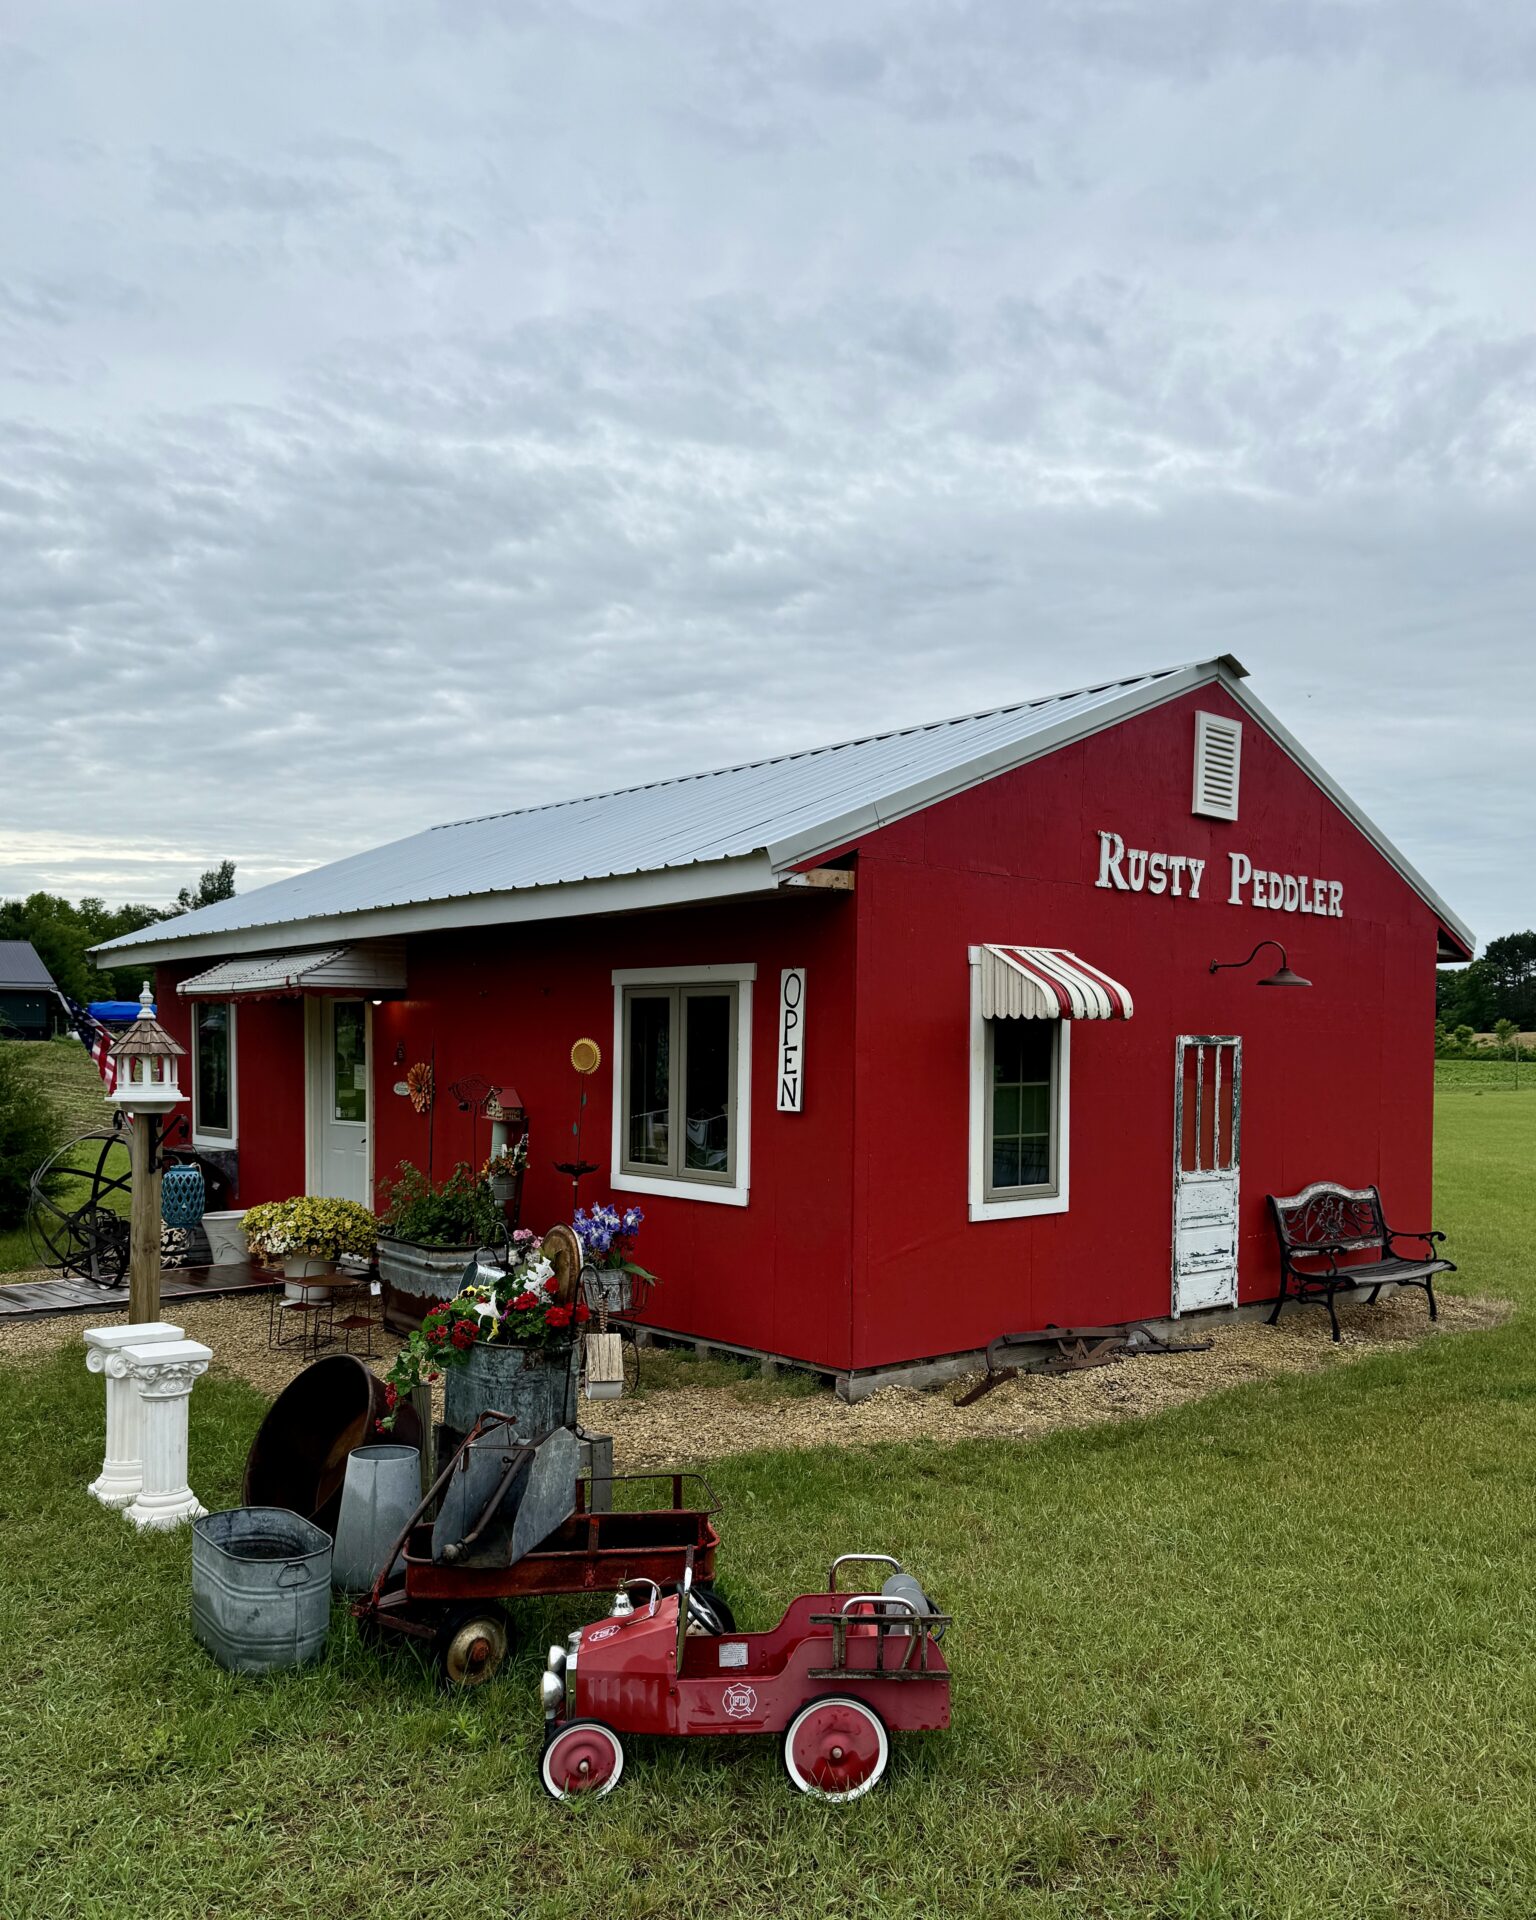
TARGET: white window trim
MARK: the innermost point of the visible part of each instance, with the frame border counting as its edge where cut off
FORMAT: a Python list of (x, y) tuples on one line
[(200, 1138), (982, 1208), (741, 977)]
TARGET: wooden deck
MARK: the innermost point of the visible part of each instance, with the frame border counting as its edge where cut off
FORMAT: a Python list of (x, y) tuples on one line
[(38, 1297)]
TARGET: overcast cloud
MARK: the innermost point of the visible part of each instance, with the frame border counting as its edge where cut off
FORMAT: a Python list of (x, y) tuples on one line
[(409, 411)]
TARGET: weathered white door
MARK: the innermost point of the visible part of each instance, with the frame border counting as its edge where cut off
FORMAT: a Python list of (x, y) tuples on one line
[(339, 1164), (1207, 1124)]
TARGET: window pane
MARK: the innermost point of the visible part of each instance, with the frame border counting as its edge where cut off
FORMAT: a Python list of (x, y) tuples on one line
[(707, 1082), (649, 1080), (213, 1068), (1022, 1055), (351, 1061)]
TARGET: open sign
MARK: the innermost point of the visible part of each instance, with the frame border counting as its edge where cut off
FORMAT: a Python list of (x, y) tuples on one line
[(791, 1039)]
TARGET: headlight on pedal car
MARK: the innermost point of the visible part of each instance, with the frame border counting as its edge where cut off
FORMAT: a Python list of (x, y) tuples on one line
[(556, 1661), (551, 1692)]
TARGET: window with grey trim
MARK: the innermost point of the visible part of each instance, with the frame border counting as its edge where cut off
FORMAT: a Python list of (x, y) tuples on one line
[(1023, 1108), (213, 1103), (679, 1082)]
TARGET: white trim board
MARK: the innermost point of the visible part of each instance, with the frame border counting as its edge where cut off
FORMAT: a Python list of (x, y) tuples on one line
[(201, 1138), (741, 975), (980, 1207)]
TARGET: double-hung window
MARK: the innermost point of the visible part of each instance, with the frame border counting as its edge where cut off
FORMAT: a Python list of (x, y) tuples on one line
[(213, 1072), (1019, 1106), (682, 1045)]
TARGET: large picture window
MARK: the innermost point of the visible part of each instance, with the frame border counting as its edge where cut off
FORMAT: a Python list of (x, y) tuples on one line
[(682, 1047), (213, 1070)]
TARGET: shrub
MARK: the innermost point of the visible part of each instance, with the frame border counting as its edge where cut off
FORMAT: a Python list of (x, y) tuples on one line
[(459, 1212), (29, 1130)]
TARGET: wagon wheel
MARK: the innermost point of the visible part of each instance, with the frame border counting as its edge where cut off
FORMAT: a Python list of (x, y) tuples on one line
[(836, 1748), (74, 1225), (581, 1757), (471, 1645)]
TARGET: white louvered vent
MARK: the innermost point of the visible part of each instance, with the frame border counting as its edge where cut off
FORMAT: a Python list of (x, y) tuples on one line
[(1218, 759)]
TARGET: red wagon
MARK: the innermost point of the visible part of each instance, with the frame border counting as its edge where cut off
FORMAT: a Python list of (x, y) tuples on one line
[(457, 1607), (836, 1676)]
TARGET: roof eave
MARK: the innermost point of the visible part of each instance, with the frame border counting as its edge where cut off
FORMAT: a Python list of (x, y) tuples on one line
[(701, 882)]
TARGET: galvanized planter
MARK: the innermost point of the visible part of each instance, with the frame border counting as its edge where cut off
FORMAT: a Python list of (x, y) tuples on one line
[(261, 1588), (537, 1389), (416, 1278)]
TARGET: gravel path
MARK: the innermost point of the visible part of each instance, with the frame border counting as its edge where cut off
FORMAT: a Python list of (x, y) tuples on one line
[(687, 1424)]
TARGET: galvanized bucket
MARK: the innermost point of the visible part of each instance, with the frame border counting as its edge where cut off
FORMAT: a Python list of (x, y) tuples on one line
[(537, 1389), (381, 1491), (261, 1588)]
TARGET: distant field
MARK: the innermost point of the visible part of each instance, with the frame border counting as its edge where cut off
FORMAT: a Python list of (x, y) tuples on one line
[(1486, 1076)]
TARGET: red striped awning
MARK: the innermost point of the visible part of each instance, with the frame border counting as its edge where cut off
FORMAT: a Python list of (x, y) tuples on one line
[(1048, 983)]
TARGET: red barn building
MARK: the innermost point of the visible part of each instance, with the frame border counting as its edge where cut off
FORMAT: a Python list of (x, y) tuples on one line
[(908, 1042)]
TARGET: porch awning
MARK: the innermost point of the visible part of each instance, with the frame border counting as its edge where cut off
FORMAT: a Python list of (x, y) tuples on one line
[(1047, 983), (372, 970)]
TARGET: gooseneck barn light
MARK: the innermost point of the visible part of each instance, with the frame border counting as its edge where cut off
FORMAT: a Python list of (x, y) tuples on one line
[(1281, 977)]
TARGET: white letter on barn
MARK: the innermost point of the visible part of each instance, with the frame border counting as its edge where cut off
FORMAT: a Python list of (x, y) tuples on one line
[(1196, 868), (1336, 899), (1242, 867), (1109, 863), (1157, 873)]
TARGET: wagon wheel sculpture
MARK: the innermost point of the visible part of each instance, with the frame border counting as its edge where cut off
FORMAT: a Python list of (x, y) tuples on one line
[(74, 1224), (80, 1205)]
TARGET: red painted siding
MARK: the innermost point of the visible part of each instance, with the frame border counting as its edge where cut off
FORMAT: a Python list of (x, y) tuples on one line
[(1337, 1081)]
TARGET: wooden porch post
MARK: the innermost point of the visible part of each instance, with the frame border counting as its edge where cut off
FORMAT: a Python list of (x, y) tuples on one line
[(144, 1225)]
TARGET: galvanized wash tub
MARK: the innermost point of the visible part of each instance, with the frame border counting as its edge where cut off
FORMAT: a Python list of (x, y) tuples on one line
[(261, 1588), (537, 1389)]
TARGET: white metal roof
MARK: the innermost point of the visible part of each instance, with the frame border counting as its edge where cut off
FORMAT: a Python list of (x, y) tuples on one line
[(376, 968), (722, 834)]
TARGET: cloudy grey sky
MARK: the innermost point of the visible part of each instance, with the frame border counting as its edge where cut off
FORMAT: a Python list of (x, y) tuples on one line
[(410, 410)]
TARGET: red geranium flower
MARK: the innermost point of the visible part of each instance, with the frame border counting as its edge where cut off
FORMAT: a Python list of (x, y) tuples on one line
[(583, 1313), (552, 1284), (391, 1393), (558, 1317), (464, 1335), (526, 1300), (437, 1335)]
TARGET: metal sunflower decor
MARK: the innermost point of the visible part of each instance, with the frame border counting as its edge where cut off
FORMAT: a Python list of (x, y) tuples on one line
[(418, 1082)]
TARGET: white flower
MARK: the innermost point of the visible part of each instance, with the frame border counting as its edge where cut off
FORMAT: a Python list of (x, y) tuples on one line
[(538, 1271)]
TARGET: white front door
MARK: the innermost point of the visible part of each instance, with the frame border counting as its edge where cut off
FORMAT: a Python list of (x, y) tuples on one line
[(1207, 1123), (340, 1167)]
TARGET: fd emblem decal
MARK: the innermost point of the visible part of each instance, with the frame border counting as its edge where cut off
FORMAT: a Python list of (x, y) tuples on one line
[(739, 1701)]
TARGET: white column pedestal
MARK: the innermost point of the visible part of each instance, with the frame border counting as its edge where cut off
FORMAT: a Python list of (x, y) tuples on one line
[(163, 1375), (122, 1471)]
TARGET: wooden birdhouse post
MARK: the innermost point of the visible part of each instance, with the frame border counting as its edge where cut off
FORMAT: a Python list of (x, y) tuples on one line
[(145, 1089)]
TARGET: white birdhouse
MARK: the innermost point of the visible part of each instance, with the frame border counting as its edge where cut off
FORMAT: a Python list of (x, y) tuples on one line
[(145, 1057)]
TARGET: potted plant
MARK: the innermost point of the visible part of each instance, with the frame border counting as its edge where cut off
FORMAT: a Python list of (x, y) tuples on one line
[(307, 1235), (504, 1170), (503, 1341), (428, 1234), (608, 1244)]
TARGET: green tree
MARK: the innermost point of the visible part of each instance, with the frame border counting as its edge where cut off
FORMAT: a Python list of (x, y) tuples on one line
[(218, 883)]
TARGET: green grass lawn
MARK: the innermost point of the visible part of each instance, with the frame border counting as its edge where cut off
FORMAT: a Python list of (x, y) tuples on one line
[(1269, 1655)]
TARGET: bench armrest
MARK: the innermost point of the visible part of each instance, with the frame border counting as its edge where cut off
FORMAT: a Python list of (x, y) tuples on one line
[(1393, 1234), (1323, 1251)]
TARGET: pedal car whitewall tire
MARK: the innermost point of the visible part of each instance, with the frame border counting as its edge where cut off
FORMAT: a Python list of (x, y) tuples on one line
[(582, 1757), (836, 1748)]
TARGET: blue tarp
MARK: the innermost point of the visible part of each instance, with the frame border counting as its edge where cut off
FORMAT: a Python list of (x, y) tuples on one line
[(114, 1010)]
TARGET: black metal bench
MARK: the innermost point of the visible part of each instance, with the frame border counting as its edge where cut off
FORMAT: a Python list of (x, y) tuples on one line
[(1322, 1232)]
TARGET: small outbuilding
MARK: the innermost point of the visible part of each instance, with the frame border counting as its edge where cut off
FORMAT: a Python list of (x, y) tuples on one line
[(30, 1004), (907, 1042)]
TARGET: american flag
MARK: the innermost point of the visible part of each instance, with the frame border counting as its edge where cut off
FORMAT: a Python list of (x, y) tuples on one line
[(95, 1038)]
